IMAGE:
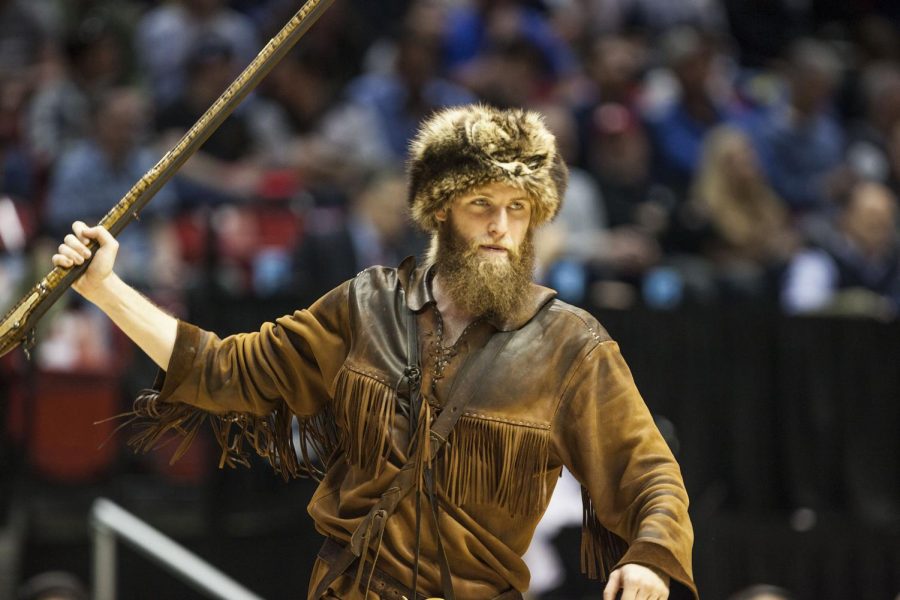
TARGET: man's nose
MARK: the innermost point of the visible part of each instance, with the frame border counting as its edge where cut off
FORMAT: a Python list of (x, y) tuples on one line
[(499, 223)]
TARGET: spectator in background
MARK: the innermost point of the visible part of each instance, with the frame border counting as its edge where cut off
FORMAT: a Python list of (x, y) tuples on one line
[(230, 164), (656, 16), (375, 231), (853, 268), (763, 29), (584, 258), (512, 74), (302, 90), (98, 171), (619, 159), (868, 152), (16, 163), (473, 29), (614, 67), (381, 110), (341, 36), (412, 90), (23, 40), (800, 141), (59, 113), (23, 44), (747, 233), (167, 33), (678, 127)]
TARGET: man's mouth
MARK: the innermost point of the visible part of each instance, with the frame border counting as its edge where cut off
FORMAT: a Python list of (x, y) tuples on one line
[(492, 249)]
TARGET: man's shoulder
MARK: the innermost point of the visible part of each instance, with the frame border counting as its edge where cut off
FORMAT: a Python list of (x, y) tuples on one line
[(575, 323), (374, 282), (377, 275)]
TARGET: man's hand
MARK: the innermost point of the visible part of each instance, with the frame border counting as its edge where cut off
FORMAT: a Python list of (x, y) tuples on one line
[(141, 320), (637, 582), (74, 251)]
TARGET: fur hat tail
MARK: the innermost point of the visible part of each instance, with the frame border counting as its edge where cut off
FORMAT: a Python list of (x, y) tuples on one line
[(461, 148)]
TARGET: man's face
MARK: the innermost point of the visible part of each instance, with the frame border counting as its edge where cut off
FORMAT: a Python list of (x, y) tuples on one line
[(485, 256), (493, 220)]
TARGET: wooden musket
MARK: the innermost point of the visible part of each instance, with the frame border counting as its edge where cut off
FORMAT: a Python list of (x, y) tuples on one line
[(18, 324)]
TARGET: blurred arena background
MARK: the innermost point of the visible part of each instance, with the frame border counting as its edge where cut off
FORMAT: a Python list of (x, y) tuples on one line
[(731, 219)]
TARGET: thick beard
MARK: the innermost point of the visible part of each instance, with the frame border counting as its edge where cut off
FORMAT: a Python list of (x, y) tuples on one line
[(478, 285)]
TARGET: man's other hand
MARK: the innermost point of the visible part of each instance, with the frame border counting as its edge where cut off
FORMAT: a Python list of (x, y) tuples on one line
[(637, 582)]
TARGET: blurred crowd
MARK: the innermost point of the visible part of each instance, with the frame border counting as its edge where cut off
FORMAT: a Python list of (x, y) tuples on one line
[(721, 151)]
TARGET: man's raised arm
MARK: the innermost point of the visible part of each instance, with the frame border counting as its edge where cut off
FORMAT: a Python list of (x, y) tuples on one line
[(141, 320)]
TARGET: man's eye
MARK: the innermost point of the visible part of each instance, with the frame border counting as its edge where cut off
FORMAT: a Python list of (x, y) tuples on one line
[(479, 202)]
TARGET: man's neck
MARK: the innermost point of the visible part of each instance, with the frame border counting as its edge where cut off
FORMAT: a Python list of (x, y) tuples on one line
[(455, 318)]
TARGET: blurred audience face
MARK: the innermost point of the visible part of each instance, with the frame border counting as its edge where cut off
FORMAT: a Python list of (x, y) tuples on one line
[(427, 18), (417, 58), (621, 150), (690, 57), (119, 122), (615, 67), (870, 219), (95, 53), (881, 87), (730, 151), (211, 68), (813, 72), (13, 98), (383, 204)]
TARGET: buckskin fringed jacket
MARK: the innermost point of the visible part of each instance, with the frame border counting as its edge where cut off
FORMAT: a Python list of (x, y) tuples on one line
[(559, 394)]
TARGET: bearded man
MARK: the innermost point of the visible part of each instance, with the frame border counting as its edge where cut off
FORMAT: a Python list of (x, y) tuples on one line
[(442, 400)]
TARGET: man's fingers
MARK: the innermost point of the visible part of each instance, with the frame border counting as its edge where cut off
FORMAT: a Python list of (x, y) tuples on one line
[(77, 245), (85, 234), (59, 260), (71, 254), (104, 236), (79, 227), (613, 585)]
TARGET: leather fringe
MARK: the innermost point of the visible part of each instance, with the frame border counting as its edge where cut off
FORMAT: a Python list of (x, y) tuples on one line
[(488, 461), (270, 436), (364, 409), (601, 549)]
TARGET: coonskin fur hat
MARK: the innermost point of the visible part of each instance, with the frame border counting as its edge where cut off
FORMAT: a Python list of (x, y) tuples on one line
[(461, 148)]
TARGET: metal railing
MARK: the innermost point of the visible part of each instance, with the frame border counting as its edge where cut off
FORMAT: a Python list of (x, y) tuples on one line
[(109, 520)]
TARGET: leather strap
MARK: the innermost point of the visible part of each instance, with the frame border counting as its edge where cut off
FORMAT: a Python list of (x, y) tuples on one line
[(414, 378), (446, 576), (387, 587)]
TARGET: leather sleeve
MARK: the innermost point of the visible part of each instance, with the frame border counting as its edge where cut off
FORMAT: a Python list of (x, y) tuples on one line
[(295, 359), (604, 434)]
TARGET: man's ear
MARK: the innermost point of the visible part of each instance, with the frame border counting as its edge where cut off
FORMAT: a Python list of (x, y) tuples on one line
[(440, 214)]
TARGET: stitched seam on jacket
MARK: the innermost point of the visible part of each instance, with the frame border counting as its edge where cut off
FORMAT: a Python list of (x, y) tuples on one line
[(370, 374), (484, 417)]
